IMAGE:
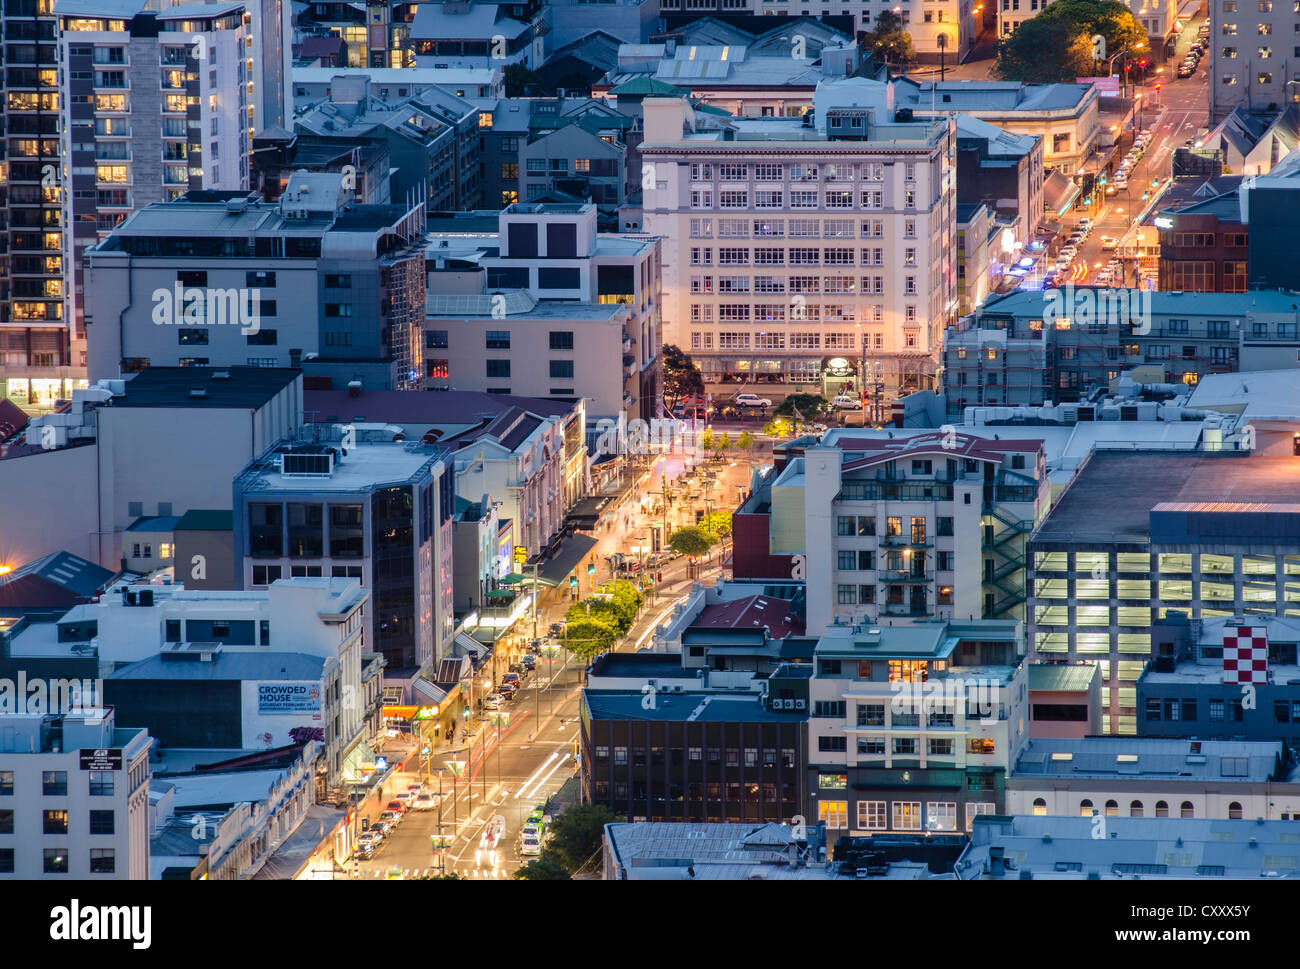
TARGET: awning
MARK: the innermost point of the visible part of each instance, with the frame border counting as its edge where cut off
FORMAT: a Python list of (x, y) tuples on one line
[(514, 578), (1059, 193), (428, 690), (572, 550), (502, 594), (468, 646)]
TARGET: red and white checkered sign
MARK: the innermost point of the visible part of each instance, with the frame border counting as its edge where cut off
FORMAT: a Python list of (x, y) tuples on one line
[(1245, 654)]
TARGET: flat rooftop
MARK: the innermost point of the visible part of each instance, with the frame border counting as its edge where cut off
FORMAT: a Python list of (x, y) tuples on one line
[(365, 466), (1110, 500), (1150, 758), (242, 387), (695, 707)]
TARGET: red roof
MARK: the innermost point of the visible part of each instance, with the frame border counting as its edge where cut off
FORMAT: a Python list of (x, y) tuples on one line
[(752, 612)]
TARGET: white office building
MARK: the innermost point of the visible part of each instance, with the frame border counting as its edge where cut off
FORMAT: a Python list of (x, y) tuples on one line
[(74, 797), (793, 247)]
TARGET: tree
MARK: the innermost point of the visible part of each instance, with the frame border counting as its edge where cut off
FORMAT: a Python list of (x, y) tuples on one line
[(723, 443), (889, 41), (627, 602), (1045, 51), (745, 442), (717, 525), (692, 541), (543, 870), (682, 378), (1114, 21), (707, 442), (803, 407), (778, 427), (520, 81), (588, 638), (601, 610), (577, 836)]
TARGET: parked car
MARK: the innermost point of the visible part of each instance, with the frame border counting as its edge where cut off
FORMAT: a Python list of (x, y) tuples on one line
[(511, 679), (846, 401), (399, 805), (530, 842), (508, 690), (364, 850), (493, 701), (529, 661), (425, 802), (390, 818), (752, 400), (407, 798)]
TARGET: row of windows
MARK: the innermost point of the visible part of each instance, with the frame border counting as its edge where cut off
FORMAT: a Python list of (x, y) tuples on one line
[(906, 815), (560, 369), (56, 822), (704, 198), (710, 755), (703, 228), (496, 339), (834, 172), (904, 746), (103, 861), (1136, 809), (54, 783)]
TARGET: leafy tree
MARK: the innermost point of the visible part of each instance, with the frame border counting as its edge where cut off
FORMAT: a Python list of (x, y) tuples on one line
[(692, 541), (888, 40), (778, 427), (520, 81), (601, 610), (1045, 51), (1113, 20), (707, 441), (577, 835), (745, 442), (543, 870), (588, 638), (804, 407), (717, 525), (682, 378), (627, 602), (723, 442)]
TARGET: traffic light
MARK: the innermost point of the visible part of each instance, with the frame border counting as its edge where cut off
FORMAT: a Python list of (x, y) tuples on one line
[(1142, 62), (573, 581), (1157, 85), (591, 569)]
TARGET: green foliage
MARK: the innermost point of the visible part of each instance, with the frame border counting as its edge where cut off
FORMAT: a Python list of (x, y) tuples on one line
[(804, 407), (1056, 45), (888, 40), (1045, 51), (543, 870), (717, 525), (627, 602), (745, 442), (682, 378), (617, 610), (707, 441), (577, 836), (723, 443), (588, 638), (779, 427), (690, 541)]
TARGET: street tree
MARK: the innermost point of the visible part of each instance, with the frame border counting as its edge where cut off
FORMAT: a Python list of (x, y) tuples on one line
[(1114, 21), (588, 638), (779, 427), (542, 870), (707, 441), (692, 541), (803, 407), (888, 40), (577, 836), (1045, 50), (723, 443), (746, 442), (682, 378), (717, 525)]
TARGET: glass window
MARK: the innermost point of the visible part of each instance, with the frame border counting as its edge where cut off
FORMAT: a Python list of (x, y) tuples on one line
[(54, 783), (907, 815)]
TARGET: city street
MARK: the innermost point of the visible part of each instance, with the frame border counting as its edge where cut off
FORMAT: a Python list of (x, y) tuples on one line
[(537, 752)]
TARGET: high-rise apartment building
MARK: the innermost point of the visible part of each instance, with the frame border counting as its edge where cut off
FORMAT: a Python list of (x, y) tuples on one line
[(1251, 43), (797, 249)]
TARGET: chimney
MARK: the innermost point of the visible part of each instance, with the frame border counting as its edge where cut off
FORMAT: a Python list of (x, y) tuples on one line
[(354, 388), (997, 865)]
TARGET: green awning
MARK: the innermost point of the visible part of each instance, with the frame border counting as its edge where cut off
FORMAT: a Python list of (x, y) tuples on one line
[(514, 578), (506, 594)]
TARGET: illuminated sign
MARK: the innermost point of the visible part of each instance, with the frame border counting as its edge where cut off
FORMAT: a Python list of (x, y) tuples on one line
[(521, 554)]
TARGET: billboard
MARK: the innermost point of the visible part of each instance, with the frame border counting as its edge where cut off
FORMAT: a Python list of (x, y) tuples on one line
[(1245, 654), (288, 696)]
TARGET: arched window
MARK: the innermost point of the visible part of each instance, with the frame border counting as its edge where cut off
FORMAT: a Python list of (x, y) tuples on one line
[(1040, 807), (1112, 809), (1187, 811), (1135, 809), (1162, 809), (1085, 808), (1234, 811)]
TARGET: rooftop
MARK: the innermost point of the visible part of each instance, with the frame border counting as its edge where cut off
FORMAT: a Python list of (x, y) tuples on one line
[(1260, 395), (694, 707), (452, 407), (1151, 758), (1089, 512), (366, 466), (1028, 304), (1066, 848), (989, 97), (1062, 677), (771, 616), (226, 665), (241, 387)]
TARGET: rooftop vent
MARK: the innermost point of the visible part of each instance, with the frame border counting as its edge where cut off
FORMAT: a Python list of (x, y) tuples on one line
[(221, 375), (198, 392)]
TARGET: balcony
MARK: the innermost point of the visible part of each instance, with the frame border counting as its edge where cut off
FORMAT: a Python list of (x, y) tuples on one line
[(907, 611), (906, 575), (905, 541)]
